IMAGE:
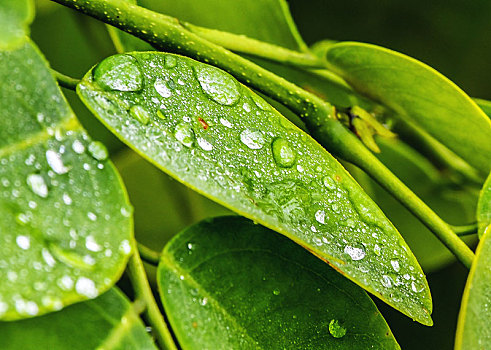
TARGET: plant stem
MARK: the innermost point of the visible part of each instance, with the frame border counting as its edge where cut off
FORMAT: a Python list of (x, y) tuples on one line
[(465, 230), (148, 255), (319, 115), (139, 280), (64, 80)]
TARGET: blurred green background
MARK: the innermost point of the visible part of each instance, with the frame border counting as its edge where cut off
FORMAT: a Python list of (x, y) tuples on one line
[(453, 36)]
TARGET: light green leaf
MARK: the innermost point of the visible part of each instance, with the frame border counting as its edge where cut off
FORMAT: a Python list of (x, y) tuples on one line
[(473, 330), (202, 127), (108, 322), (419, 93), (485, 106), (15, 17), (484, 208), (227, 283), (65, 223)]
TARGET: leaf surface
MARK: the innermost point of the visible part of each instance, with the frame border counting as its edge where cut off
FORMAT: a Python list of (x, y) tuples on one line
[(484, 207), (15, 17), (202, 127), (419, 93), (271, 294), (65, 223), (107, 322)]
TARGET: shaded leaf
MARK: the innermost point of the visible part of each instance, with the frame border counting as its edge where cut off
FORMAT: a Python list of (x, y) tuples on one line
[(418, 93), (65, 226), (484, 207), (15, 17), (107, 322), (473, 330), (202, 127), (270, 293), (485, 106)]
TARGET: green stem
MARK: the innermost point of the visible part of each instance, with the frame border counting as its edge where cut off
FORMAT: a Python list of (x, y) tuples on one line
[(319, 116), (64, 80), (139, 280), (148, 255), (465, 230)]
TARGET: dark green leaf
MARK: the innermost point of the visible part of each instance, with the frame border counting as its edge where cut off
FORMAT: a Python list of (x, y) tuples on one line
[(202, 127), (15, 17), (419, 93), (473, 330), (484, 208), (230, 284), (65, 226), (108, 322)]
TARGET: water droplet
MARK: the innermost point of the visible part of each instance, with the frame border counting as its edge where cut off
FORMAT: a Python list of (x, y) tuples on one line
[(336, 330), (125, 247), (320, 216), (246, 107), (54, 161), (23, 242), (283, 155), (37, 185), (92, 216), (140, 114), (22, 219), (377, 249), (67, 199), (355, 252), (78, 147), (386, 281), (48, 258), (276, 292), (395, 265), (260, 102), (416, 288), (162, 89), (119, 72), (204, 301), (86, 287), (184, 134), (65, 283), (92, 245), (204, 144), (226, 123), (218, 85), (329, 182), (98, 150), (253, 139), (190, 246), (170, 61)]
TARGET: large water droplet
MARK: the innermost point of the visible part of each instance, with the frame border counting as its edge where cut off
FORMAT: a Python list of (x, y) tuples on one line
[(283, 155), (336, 330), (55, 162), (218, 85), (386, 281), (98, 150), (119, 72), (37, 185), (184, 134), (140, 114), (356, 252), (162, 88), (86, 287), (170, 61), (260, 102), (320, 216), (205, 144), (253, 139)]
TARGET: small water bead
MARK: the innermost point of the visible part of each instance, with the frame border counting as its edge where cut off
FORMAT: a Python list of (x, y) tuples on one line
[(260, 103), (415, 288), (119, 72), (336, 330), (204, 144), (377, 249), (170, 61), (320, 216), (38, 185), (162, 88), (92, 216), (184, 134), (86, 287), (329, 182), (395, 265), (276, 292), (386, 281), (356, 252), (23, 242), (78, 147), (218, 85), (98, 151), (283, 155), (92, 245), (54, 161), (246, 107), (253, 139), (226, 123), (140, 113)]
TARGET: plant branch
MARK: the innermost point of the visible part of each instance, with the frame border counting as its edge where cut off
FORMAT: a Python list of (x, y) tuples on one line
[(465, 230), (319, 115), (148, 255), (139, 280), (64, 80)]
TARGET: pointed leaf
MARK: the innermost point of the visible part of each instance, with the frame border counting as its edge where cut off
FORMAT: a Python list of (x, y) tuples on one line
[(108, 322), (418, 93), (473, 330), (484, 208), (65, 224), (256, 289), (202, 127), (15, 17)]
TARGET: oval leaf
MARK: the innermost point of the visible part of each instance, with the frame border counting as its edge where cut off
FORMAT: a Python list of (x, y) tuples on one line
[(473, 330), (108, 322), (15, 17), (419, 93), (65, 224), (202, 127), (256, 289), (484, 207)]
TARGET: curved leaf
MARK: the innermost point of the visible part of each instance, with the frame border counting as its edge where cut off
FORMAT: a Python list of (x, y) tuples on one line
[(108, 322), (256, 289), (484, 207), (65, 222), (485, 105), (418, 93), (473, 330), (202, 127), (15, 17)]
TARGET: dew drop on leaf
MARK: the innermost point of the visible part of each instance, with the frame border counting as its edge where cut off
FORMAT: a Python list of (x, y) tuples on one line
[(162, 89), (170, 61), (97, 150), (54, 161), (253, 139), (119, 72), (184, 134), (336, 330), (356, 252), (204, 144), (283, 155), (218, 85), (37, 185), (140, 114)]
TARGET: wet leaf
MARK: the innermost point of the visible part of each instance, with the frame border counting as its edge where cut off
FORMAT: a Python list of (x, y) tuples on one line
[(419, 93), (484, 208), (65, 227), (107, 322), (473, 330), (15, 17), (216, 136), (270, 293)]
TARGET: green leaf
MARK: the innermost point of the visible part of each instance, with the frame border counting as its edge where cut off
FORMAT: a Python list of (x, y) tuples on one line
[(473, 330), (107, 322), (15, 17), (484, 208), (65, 223), (202, 127), (485, 106), (227, 283), (419, 93)]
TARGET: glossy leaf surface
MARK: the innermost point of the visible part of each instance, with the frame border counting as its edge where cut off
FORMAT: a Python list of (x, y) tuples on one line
[(107, 322), (473, 330), (271, 294), (419, 93), (484, 208), (65, 223), (201, 126), (15, 17)]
